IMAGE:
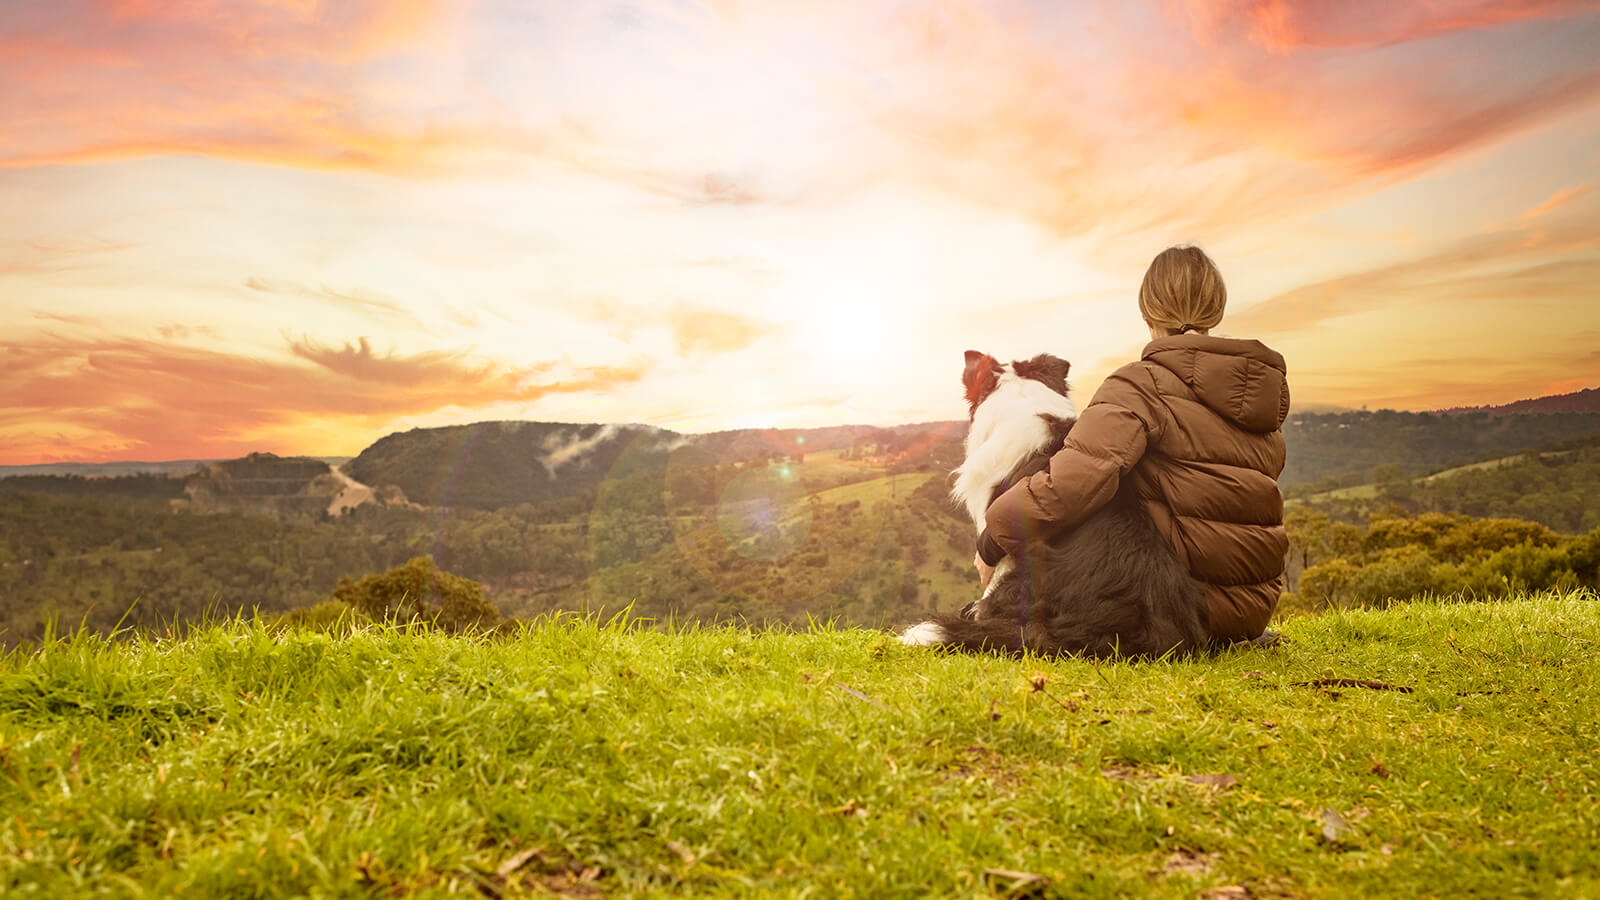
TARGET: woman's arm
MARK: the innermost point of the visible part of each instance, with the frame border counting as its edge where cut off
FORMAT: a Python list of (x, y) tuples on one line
[(1111, 435)]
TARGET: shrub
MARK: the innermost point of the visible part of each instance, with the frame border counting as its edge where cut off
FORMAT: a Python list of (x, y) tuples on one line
[(1398, 574), (331, 616), (418, 590)]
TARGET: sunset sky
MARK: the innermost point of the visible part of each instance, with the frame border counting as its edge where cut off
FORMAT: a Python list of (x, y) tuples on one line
[(296, 226)]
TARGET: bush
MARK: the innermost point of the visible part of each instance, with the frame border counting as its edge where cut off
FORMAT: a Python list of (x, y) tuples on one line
[(330, 616), (418, 591)]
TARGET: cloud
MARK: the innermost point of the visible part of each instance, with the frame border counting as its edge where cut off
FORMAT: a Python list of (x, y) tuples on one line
[(1364, 119), (1090, 121), (35, 257), (260, 80), (1441, 383), (1509, 263), (696, 331), (708, 331), (1559, 199), (160, 399), (357, 300), (66, 319), (1282, 26), (177, 331)]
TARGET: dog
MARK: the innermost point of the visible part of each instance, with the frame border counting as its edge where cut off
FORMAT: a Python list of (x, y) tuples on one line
[(1111, 586)]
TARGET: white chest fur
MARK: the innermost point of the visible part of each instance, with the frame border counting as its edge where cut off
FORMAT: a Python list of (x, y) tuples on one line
[(1006, 429)]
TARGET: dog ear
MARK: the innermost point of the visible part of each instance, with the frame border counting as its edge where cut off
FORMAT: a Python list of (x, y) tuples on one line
[(1049, 370), (975, 362)]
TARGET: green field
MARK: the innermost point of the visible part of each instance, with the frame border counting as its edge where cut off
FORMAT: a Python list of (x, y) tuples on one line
[(623, 760)]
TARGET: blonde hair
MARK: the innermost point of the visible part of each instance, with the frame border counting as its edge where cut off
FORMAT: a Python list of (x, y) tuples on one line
[(1183, 290)]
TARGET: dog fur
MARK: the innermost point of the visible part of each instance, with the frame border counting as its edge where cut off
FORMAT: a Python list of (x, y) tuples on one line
[(1111, 586)]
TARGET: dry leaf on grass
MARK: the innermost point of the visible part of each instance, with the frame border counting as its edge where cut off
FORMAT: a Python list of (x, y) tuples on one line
[(516, 861), (1221, 780), (1334, 829)]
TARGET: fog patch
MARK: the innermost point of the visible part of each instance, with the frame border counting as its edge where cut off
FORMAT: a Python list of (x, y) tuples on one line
[(561, 449)]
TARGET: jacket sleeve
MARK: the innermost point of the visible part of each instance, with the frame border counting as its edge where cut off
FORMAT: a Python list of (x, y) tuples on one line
[(1124, 418)]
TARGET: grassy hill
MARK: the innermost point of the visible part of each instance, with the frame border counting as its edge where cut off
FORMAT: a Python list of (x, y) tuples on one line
[(860, 539), (1462, 759), (1334, 450), (492, 465), (1558, 486)]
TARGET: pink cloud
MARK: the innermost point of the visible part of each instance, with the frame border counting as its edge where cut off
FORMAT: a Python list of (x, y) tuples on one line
[(1285, 25), (166, 400)]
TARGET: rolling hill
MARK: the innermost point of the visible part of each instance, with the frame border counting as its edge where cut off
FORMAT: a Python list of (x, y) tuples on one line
[(492, 465), (1584, 401)]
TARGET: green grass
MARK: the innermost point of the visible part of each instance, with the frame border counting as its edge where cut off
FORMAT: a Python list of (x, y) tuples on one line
[(877, 489), (622, 761)]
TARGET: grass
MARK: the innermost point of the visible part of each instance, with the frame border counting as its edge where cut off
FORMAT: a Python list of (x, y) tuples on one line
[(619, 761)]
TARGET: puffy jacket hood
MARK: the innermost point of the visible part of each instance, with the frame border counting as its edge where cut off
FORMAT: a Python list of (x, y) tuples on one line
[(1243, 381)]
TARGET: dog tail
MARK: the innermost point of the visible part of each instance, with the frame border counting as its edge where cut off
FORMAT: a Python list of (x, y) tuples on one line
[(966, 634)]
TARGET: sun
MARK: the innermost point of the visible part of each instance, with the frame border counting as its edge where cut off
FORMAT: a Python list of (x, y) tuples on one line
[(846, 319)]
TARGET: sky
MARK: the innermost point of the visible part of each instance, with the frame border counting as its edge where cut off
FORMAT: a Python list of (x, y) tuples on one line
[(298, 225)]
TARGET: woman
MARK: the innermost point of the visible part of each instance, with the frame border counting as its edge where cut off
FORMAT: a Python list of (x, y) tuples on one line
[(1195, 424)]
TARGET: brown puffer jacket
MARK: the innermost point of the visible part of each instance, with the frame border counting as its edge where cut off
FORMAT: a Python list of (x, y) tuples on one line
[(1195, 426)]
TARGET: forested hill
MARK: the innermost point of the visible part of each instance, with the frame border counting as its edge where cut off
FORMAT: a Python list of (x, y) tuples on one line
[(1586, 400), (1345, 448), (492, 465)]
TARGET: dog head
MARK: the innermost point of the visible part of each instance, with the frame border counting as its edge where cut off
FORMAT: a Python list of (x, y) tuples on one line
[(983, 374)]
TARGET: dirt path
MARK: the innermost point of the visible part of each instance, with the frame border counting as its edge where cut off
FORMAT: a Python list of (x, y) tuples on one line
[(352, 495)]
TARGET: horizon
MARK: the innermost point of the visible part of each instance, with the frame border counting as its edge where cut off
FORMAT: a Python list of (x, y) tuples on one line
[(288, 227), (1315, 409)]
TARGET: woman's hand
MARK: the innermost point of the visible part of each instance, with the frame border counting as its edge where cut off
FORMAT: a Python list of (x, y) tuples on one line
[(984, 572)]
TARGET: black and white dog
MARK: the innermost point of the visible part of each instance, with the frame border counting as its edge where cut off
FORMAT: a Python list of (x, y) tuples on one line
[(1111, 586)]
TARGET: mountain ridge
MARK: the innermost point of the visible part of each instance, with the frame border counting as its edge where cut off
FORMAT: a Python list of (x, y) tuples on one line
[(1585, 400)]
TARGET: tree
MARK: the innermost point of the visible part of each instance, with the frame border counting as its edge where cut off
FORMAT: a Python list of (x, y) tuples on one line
[(1309, 534), (1324, 582), (417, 590)]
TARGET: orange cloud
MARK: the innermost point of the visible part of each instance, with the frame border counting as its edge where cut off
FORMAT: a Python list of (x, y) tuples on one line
[(259, 80), (1559, 199), (357, 300), (696, 330), (1359, 125), (1140, 131), (707, 331), (35, 257), (1283, 25), (1504, 264), (142, 398), (964, 97), (1442, 383)]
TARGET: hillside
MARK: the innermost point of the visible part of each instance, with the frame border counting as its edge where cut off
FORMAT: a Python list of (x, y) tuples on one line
[(1584, 401), (1333, 450), (264, 482), (756, 526), (177, 467), (256, 483), (613, 761), (1558, 486), (871, 540), (492, 465)]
